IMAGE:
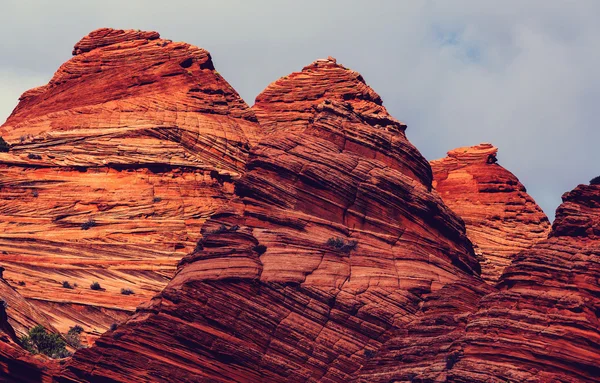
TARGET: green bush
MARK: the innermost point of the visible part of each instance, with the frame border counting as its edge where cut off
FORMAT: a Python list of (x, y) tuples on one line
[(341, 244), (126, 291), (40, 341), (67, 285), (95, 286), (4, 146), (88, 224), (73, 336), (595, 181)]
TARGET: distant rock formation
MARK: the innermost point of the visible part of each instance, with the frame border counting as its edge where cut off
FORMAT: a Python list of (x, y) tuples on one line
[(501, 218)]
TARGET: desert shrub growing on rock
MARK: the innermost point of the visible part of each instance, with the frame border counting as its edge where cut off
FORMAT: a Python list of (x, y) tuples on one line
[(4, 146), (127, 291), (95, 286), (40, 341), (595, 181), (341, 244)]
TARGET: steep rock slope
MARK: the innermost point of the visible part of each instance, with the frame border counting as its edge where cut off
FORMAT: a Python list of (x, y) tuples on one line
[(114, 166), (543, 324), (501, 218), (335, 244)]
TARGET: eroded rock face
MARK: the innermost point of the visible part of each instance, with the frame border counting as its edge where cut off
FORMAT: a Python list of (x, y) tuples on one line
[(114, 166), (501, 218), (543, 325), (335, 244)]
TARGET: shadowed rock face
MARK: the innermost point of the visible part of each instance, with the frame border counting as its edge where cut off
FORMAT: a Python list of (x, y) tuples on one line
[(501, 218), (331, 248), (114, 166)]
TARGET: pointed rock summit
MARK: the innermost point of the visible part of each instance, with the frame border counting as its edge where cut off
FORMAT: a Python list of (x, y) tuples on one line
[(501, 218)]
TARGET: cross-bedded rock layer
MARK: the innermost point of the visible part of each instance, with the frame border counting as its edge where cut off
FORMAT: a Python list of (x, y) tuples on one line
[(501, 218), (543, 324), (114, 166), (333, 260), (333, 246)]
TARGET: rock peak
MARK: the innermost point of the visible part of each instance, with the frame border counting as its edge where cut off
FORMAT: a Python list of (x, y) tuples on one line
[(472, 154), (107, 36), (501, 218)]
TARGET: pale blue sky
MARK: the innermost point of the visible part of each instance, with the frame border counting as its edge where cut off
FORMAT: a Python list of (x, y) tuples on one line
[(520, 74)]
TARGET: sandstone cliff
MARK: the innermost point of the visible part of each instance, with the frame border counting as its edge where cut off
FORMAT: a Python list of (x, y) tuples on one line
[(322, 254), (335, 243), (114, 166), (501, 218), (543, 324)]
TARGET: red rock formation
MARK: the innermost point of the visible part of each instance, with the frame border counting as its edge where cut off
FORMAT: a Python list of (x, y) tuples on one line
[(501, 218), (543, 325), (335, 244), (114, 166)]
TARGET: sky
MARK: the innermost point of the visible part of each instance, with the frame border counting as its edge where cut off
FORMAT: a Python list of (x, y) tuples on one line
[(523, 75)]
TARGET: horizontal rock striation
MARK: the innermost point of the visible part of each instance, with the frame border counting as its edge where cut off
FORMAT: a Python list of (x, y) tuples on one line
[(543, 324), (113, 167), (333, 247), (501, 218)]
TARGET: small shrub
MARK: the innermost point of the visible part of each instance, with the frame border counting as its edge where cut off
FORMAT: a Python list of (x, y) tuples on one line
[(88, 224), (156, 199), (113, 327), (67, 285), (127, 291), (21, 283), (40, 341), (95, 286), (341, 244), (32, 156), (369, 353), (35, 194), (77, 329), (260, 249), (73, 336), (595, 181), (4, 146)]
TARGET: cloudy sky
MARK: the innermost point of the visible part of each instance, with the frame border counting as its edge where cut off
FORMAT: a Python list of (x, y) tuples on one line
[(523, 75)]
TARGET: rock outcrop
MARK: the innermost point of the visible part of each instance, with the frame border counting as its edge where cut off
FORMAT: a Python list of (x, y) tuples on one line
[(114, 165), (543, 325), (322, 254), (335, 244), (501, 218)]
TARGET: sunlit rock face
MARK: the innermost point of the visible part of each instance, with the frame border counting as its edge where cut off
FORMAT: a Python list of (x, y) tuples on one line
[(501, 218), (114, 166), (335, 243)]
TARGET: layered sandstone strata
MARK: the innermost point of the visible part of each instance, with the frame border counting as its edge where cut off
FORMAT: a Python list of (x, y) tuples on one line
[(335, 243), (501, 218), (114, 166), (543, 325)]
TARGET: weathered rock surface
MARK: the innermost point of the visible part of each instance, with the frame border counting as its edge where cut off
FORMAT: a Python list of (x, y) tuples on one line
[(332, 260), (114, 166), (501, 218), (543, 325), (336, 244)]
